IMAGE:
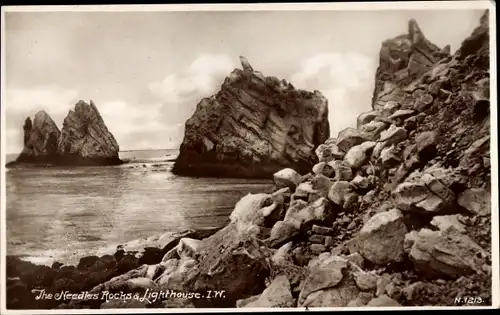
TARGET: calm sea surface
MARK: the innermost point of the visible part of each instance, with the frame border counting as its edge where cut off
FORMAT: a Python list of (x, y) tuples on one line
[(63, 213)]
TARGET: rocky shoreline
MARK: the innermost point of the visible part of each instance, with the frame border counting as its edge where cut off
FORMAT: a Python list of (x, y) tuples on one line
[(396, 212)]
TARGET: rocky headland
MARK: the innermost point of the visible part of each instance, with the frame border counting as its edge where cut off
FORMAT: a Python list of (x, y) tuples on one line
[(83, 140), (253, 127), (394, 212)]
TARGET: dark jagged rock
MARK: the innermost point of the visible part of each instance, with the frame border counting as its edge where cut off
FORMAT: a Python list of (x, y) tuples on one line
[(402, 60), (253, 127), (85, 139), (40, 140)]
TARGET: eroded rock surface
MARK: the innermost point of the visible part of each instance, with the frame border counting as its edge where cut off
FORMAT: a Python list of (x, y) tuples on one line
[(253, 127)]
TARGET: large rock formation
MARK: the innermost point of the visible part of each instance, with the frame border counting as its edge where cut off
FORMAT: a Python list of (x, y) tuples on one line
[(253, 127), (40, 140), (84, 139)]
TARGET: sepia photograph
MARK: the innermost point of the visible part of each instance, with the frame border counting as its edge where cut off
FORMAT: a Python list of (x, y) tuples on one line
[(249, 157)]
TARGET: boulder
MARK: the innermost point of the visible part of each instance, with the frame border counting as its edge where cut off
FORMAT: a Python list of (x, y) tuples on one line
[(328, 152), (443, 222), (348, 138), (372, 130), (358, 154), (446, 253), (393, 135), (366, 281), (425, 193), (275, 126), (365, 118), (253, 209), (322, 230), (363, 184), (323, 168), (287, 178), (390, 107), (389, 157), (282, 232), (402, 114), (277, 294), (476, 200), (319, 211), (230, 261), (338, 192), (426, 145), (326, 274), (381, 239), (85, 139), (341, 171)]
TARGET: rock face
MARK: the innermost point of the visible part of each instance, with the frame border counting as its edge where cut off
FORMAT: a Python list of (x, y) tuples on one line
[(253, 127), (402, 60), (40, 140), (84, 139)]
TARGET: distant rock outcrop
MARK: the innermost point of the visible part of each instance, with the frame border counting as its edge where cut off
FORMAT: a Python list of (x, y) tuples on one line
[(253, 127), (403, 59), (84, 139), (40, 140)]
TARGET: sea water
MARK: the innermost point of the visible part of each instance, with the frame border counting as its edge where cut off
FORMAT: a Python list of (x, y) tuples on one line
[(65, 213)]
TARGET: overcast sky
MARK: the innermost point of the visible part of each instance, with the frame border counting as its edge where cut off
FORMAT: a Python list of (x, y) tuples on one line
[(146, 71)]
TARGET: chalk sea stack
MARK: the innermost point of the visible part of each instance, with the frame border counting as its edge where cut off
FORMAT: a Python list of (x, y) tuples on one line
[(83, 140), (40, 140), (253, 127)]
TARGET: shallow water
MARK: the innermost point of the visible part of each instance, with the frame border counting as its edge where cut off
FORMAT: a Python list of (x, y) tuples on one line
[(63, 213)]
